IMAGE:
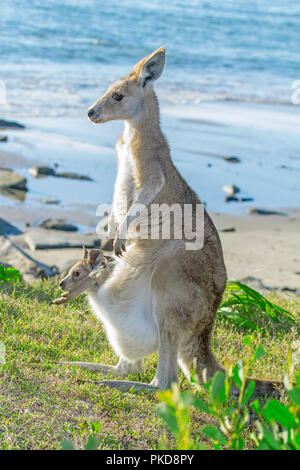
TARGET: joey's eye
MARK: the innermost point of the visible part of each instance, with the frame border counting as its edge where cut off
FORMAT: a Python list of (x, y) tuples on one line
[(117, 97), (76, 274)]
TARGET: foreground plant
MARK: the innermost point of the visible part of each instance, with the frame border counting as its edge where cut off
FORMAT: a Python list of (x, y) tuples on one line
[(277, 426), (9, 274), (244, 304)]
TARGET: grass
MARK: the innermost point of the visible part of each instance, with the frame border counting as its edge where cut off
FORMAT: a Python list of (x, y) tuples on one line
[(43, 403)]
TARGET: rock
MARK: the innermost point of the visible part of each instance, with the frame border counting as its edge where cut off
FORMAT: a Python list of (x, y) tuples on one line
[(5, 168), (73, 176), (238, 199), (39, 239), (7, 229), (230, 199), (41, 171), (50, 201), (228, 229), (232, 159), (16, 194), (58, 224), (253, 210), (10, 125), (31, 269), (231, 189), (3, 138), (9, 179)]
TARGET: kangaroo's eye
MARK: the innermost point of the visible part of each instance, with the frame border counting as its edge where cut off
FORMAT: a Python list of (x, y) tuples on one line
[(76, 274), (117, 97)]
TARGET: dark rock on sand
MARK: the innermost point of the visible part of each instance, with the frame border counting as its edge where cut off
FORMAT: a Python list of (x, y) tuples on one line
[(13, 255), (41, 171), (232, 159), (73, 176), (3, 138), (9, 179), (16, 194), (50, 201), (227, 229), (238, 199), (39, 239), (58, 224), (10, 124), (7, 229), (253, 210)]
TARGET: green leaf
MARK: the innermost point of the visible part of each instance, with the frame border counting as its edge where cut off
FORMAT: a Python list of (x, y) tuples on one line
[(236, 376), (67, 445), (248, 392), (255, 405), (276, 411), (92, 443), (269, 441), (217, 384), (238, 443), (214, 434), (294, 395), (168, 415), (201, 405), (259, 353)]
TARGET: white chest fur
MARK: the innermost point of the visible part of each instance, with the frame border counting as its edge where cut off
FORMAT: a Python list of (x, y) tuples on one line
[(124, 305), (125, 188)]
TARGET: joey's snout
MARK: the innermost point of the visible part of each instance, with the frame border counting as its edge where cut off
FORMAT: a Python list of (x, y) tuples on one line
[(62, 284)]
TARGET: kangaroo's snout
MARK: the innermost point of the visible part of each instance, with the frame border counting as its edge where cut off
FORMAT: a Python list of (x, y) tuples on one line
[(91, 113), (62, 284)]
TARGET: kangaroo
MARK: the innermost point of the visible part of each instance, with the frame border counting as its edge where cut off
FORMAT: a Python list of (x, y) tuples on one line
[(88, 274), (166, 300)]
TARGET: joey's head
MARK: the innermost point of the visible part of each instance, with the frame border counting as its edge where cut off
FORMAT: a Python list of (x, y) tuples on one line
[(91, 259), (124, 98)]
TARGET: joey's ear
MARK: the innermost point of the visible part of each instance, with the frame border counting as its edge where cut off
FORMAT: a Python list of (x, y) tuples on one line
[(151, 67), (95, 258), (84, 253)]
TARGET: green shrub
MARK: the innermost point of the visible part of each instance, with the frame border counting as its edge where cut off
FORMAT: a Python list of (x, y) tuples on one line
[(277, 426)]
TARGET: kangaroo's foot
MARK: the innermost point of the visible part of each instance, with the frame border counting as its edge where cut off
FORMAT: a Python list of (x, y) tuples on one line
[(122, 369)]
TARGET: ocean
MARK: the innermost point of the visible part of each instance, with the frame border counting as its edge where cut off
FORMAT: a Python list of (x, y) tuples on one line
[(227, 89), (56, 55)]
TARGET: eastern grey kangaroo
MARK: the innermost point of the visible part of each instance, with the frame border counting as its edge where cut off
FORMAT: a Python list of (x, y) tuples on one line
[(166, 300)]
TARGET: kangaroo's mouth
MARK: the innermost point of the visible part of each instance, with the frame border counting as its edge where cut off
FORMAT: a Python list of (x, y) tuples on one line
[(94, 116)]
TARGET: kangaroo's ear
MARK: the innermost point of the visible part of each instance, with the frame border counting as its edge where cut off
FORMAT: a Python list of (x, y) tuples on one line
[(95, 258), (84, 253), (151, 67)]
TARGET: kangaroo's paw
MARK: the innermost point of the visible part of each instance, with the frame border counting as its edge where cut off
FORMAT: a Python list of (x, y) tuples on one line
[(125, 385)]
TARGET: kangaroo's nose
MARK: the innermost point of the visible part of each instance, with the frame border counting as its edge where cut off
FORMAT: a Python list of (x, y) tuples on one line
[(61, 284), (91, 113)]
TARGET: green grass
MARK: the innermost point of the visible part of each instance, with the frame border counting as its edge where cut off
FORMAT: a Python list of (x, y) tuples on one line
[(43, 403)]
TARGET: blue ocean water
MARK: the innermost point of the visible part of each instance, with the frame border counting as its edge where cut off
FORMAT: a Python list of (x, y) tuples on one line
[(57, 54)]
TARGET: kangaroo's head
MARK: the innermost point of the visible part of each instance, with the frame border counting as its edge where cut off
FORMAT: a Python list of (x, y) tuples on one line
[(124, 98), (91, 259)]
